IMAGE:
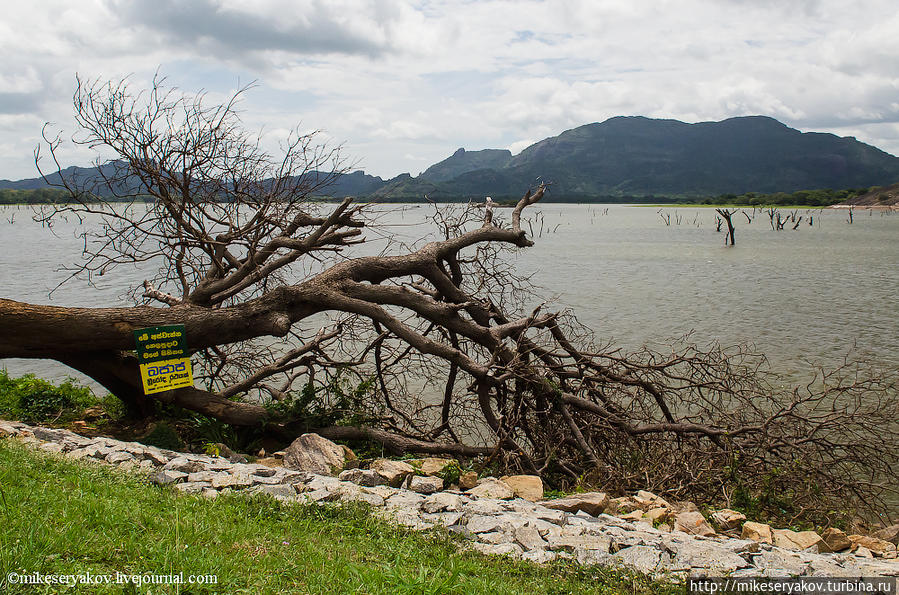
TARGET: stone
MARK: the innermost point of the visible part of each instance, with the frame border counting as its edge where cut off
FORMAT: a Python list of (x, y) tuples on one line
[(493, 537), (394, 472), (484, 524), (526, 487), (445, 519), (52, 447), (425, 485), (80, 453), (698, 554), (227, 480), (624, 505), (468, 480), (431, 466), (572, 542), (796, 540), (529, 538), (167, 476), (362, 477), (779, 563), (727, 519), (48, 435), (593, 503), (191, 487), (863, 552), (641, 558), (890, 534), (651, 500), (835, 539), (503, 549), (539, 556), (404, 500), (184, 465), (693, 523), (490, 487), (311, 452), (119, 457), (759, 532), (556, 517), (876, 546), (634, 515), (442, 502), (201, 476), (656, 515)]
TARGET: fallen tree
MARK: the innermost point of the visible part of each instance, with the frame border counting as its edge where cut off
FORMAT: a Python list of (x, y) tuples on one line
[(430, 349)]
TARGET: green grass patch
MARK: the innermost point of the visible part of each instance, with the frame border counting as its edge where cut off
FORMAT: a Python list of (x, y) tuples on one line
[(35, 400), (58, 517)]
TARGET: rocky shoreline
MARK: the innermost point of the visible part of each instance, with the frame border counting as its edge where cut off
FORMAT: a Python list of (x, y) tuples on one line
[(499, 516)]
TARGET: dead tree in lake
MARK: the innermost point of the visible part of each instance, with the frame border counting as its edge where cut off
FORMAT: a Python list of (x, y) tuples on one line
[(727, 214)]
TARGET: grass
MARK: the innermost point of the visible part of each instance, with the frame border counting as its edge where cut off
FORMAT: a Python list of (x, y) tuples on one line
[(62, 517)]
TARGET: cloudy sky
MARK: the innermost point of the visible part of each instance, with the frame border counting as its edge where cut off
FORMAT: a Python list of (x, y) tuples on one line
[(402, 84)]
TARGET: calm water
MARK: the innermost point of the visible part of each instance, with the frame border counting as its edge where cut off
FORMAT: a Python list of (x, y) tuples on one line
[(806, 296)]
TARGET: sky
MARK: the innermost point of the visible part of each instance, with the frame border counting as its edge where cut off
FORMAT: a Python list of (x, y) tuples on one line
[(400, 85)]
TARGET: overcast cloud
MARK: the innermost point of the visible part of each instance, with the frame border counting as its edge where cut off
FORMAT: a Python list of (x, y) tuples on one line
[(403, 84)]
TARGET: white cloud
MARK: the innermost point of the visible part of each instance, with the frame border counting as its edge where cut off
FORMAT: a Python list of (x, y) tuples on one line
[(392, 78)]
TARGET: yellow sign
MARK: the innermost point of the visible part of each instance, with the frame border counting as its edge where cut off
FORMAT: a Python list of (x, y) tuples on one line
[(166, 375)]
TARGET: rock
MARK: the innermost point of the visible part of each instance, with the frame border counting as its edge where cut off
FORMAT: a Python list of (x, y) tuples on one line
[(641, 558), (278, 492), (425, 485), (270, 462), (431, 466), (890, 534), (863, 552), (191, 487), (795, 540), (53, 447), (693, 523), (526, 487), (623, 505), (539, 556), (593, 503), (835, 539), (759, 532), (184, 465), (394, 472), (484, 524), (634, 515), (778, 563), (656, 515), (442, 502), (649, 500), (405, 501), (529, 538), (227, 480), (876, 546), (572, 542), (493, 537), (490, 487), (119, 457), (504, 549), (727, 519), (167, 476), (311, 452), (698, 554), (363, 477), (468, 480)]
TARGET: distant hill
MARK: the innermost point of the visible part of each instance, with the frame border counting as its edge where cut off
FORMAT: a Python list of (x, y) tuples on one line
[(463, 161), (881, 196), (631, 157)]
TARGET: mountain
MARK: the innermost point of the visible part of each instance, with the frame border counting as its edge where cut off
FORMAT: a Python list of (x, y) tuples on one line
[(637, 156), (633, 156), (463, 161)]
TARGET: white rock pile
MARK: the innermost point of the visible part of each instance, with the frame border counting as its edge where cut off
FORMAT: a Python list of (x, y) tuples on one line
[(505, 516)]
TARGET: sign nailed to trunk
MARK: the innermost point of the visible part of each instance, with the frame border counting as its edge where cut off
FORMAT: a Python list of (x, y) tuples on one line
[(164, 360)]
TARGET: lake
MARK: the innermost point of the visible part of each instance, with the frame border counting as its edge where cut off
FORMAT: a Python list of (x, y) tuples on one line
[(805, 296)]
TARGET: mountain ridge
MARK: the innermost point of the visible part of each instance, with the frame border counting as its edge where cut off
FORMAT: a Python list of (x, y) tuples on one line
[(636, 156)]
